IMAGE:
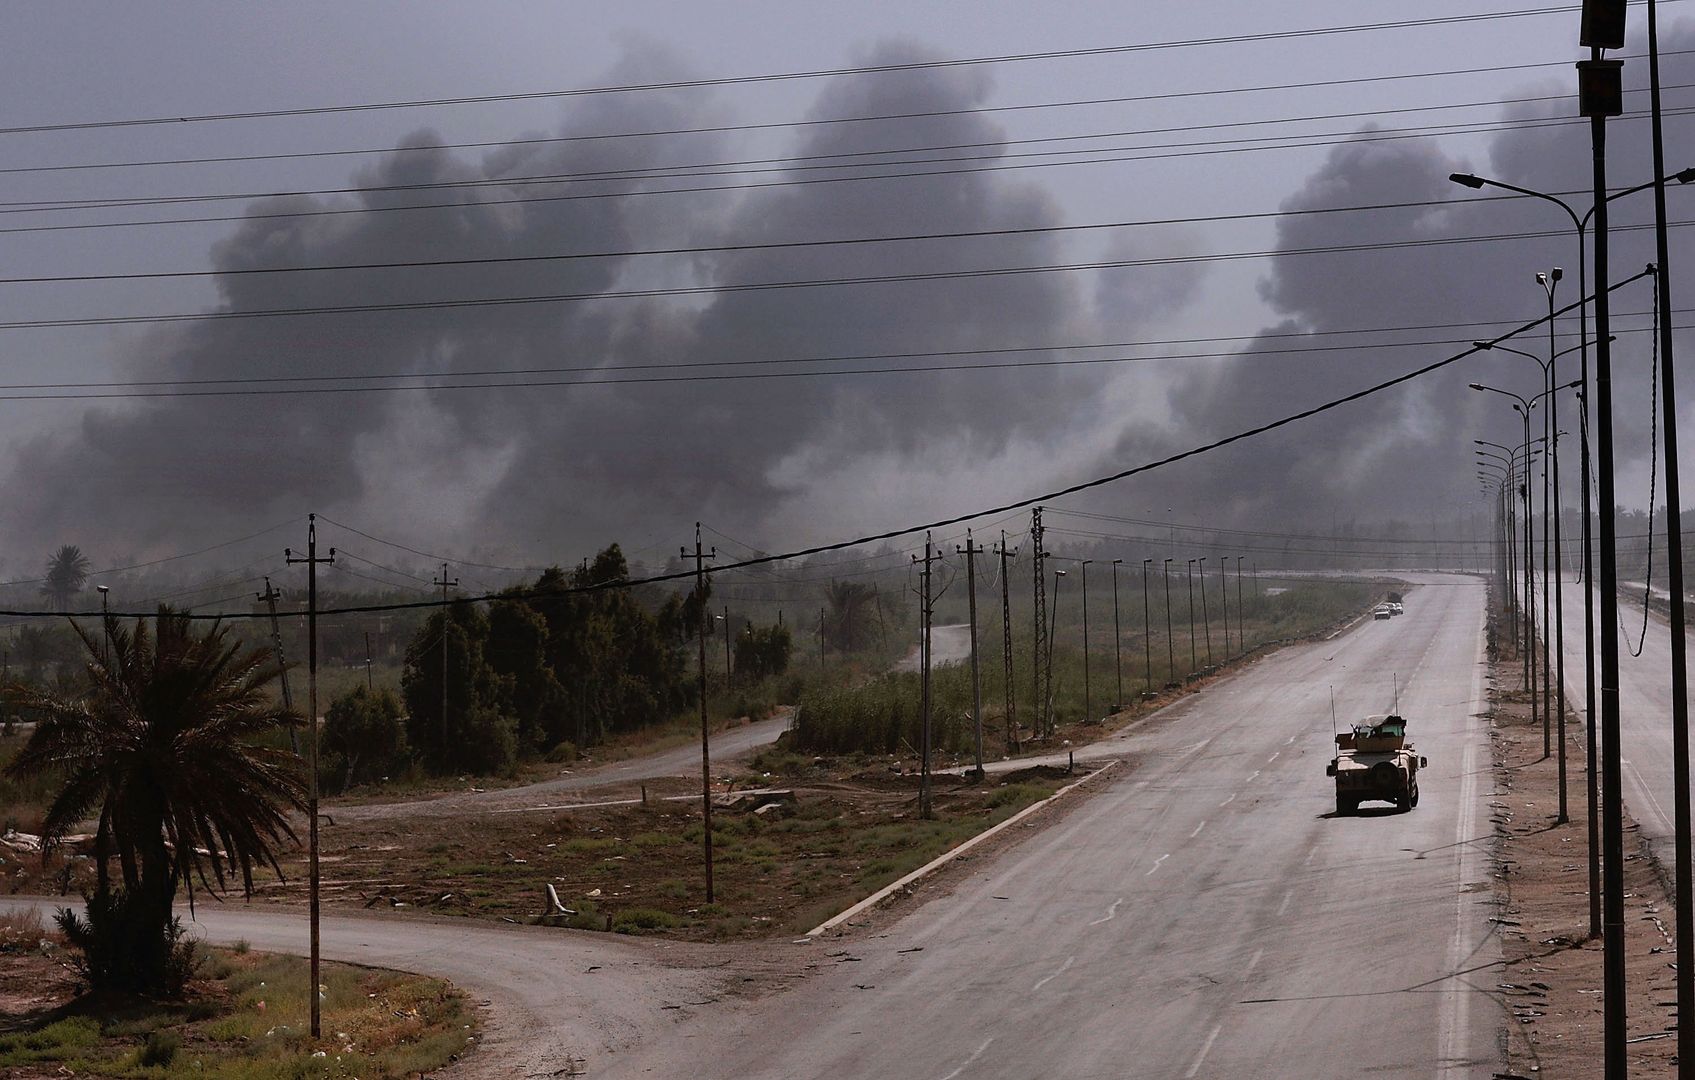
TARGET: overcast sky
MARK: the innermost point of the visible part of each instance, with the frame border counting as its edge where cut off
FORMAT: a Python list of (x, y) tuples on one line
[(546, 473)]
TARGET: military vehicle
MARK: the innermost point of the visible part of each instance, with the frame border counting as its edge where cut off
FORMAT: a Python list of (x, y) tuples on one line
[(1375, 761)]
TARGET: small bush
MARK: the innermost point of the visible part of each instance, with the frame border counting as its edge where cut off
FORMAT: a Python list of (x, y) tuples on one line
[(21, 930), (160, 1049), (563, 753), (643, 920), (123, 945)]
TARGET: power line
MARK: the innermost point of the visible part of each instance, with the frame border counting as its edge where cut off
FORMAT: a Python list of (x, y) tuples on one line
[(1005, 508), (1229, 146), (765, 286), (415, 551), (794, 163), (166, 559), (736, 80), (728, 128)]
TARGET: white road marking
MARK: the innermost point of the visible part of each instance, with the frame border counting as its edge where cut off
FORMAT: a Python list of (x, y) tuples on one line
[(1111, 913), (1155, 866), (1251, 777), (1063, 968), (1273, 757), (1254, 963), (1202, 1056), (1197, 831), (1230, 800), (969, 1060), (1284, 906), (1290, 740)]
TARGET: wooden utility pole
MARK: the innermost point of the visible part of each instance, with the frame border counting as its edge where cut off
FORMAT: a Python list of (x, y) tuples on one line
[(924, 810), (971, 550), (445, 585), (270, 597), (1043, 674), (700, 557), (1006, 643), (370, 681), (311, 560), (727, 636)]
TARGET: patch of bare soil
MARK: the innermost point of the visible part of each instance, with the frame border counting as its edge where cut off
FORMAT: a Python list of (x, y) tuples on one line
[(1551, 987)]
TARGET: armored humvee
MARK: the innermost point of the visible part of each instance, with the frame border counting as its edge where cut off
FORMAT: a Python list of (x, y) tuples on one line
[(1375, 761)]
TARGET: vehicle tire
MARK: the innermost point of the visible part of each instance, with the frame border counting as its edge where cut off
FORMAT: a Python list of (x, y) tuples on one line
[(1346, 807), (1414, 800), (1404, 802)]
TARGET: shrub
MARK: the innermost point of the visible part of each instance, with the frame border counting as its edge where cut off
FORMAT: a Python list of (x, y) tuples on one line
[(364, 737), (160, 1049), (642, 920), (123, 945), (563, 753)]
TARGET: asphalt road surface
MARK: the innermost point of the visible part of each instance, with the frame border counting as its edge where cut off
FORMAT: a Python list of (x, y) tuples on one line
[(949, 644), (1644, 712), (1203, 914)]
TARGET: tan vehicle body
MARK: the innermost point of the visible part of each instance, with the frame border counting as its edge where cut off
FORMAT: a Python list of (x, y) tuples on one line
[(1375, 761)]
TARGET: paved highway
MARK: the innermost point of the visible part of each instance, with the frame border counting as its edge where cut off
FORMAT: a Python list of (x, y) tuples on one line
[(1201, 916), (1644, 712)]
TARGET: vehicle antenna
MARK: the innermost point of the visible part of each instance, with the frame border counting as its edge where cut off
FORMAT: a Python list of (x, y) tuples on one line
[(1332, 713), (1395, 681)]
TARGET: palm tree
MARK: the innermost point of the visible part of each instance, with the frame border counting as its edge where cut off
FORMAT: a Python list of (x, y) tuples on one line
[(160, 751), (67, 570)]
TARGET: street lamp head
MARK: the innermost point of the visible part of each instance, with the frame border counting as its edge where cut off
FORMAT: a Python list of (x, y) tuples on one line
[(1115, 562), (1558, 273), (102, 589), (1685, 176), (1483, 345), (1541, 278), (1059, 573), (1466, 179), (1475, 386)]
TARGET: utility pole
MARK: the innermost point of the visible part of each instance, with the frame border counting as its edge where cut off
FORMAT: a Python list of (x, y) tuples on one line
[(1194, 657), (1088, 711), (311, 560), (1117, 641), (1224, 594), (270, 597), (370, 680), (924, 759), (1241, 612), (1147, 630), (820, 635), (445, 585), (1006, 643), (726, 646), (1206, 620), (1039, 641), (1170, 641), (700, 557), (971, 551)]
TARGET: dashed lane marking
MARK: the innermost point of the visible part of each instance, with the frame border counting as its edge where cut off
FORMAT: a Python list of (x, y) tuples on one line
[(1111, 913), (1063, 968), (1197, 831), (968, 1061), (1155, 866), (1202, 1056)]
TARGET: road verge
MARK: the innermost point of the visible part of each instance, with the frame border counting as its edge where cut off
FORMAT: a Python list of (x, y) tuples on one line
[(900, 886)]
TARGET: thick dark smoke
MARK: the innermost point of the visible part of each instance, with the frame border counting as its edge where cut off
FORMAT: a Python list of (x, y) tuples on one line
[(1406, 455), (547, 472)]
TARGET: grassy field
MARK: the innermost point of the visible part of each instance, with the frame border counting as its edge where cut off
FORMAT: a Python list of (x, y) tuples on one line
[(639, 869), (244, 1018)]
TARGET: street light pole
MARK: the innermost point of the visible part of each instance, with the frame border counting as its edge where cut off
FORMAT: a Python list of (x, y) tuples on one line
[(1147, 629), (1194, 658), (1241, 612), (1088, 711), (1206, 620), (1549, 283)]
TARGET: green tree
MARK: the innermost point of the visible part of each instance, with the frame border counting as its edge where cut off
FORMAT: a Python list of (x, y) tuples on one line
[(850, 615), (477, 734), (517, 650), (364, 737), (161, 751), (762, 652), (67, 571)]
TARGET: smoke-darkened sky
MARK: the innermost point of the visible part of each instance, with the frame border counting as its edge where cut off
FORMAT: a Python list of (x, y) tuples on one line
[(751, 281)]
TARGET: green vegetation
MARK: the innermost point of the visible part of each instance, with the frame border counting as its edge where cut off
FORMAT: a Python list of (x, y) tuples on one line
[(883, 715), (364, 738), (159, 751), (248, 1021)]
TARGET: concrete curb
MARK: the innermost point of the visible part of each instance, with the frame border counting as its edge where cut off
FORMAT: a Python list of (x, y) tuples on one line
[(948, 856)]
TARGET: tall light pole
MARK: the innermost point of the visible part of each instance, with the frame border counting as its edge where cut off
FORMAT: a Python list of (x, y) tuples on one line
[(1684, 873), (1241, 612), (1117, 641), (1053, 628)]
